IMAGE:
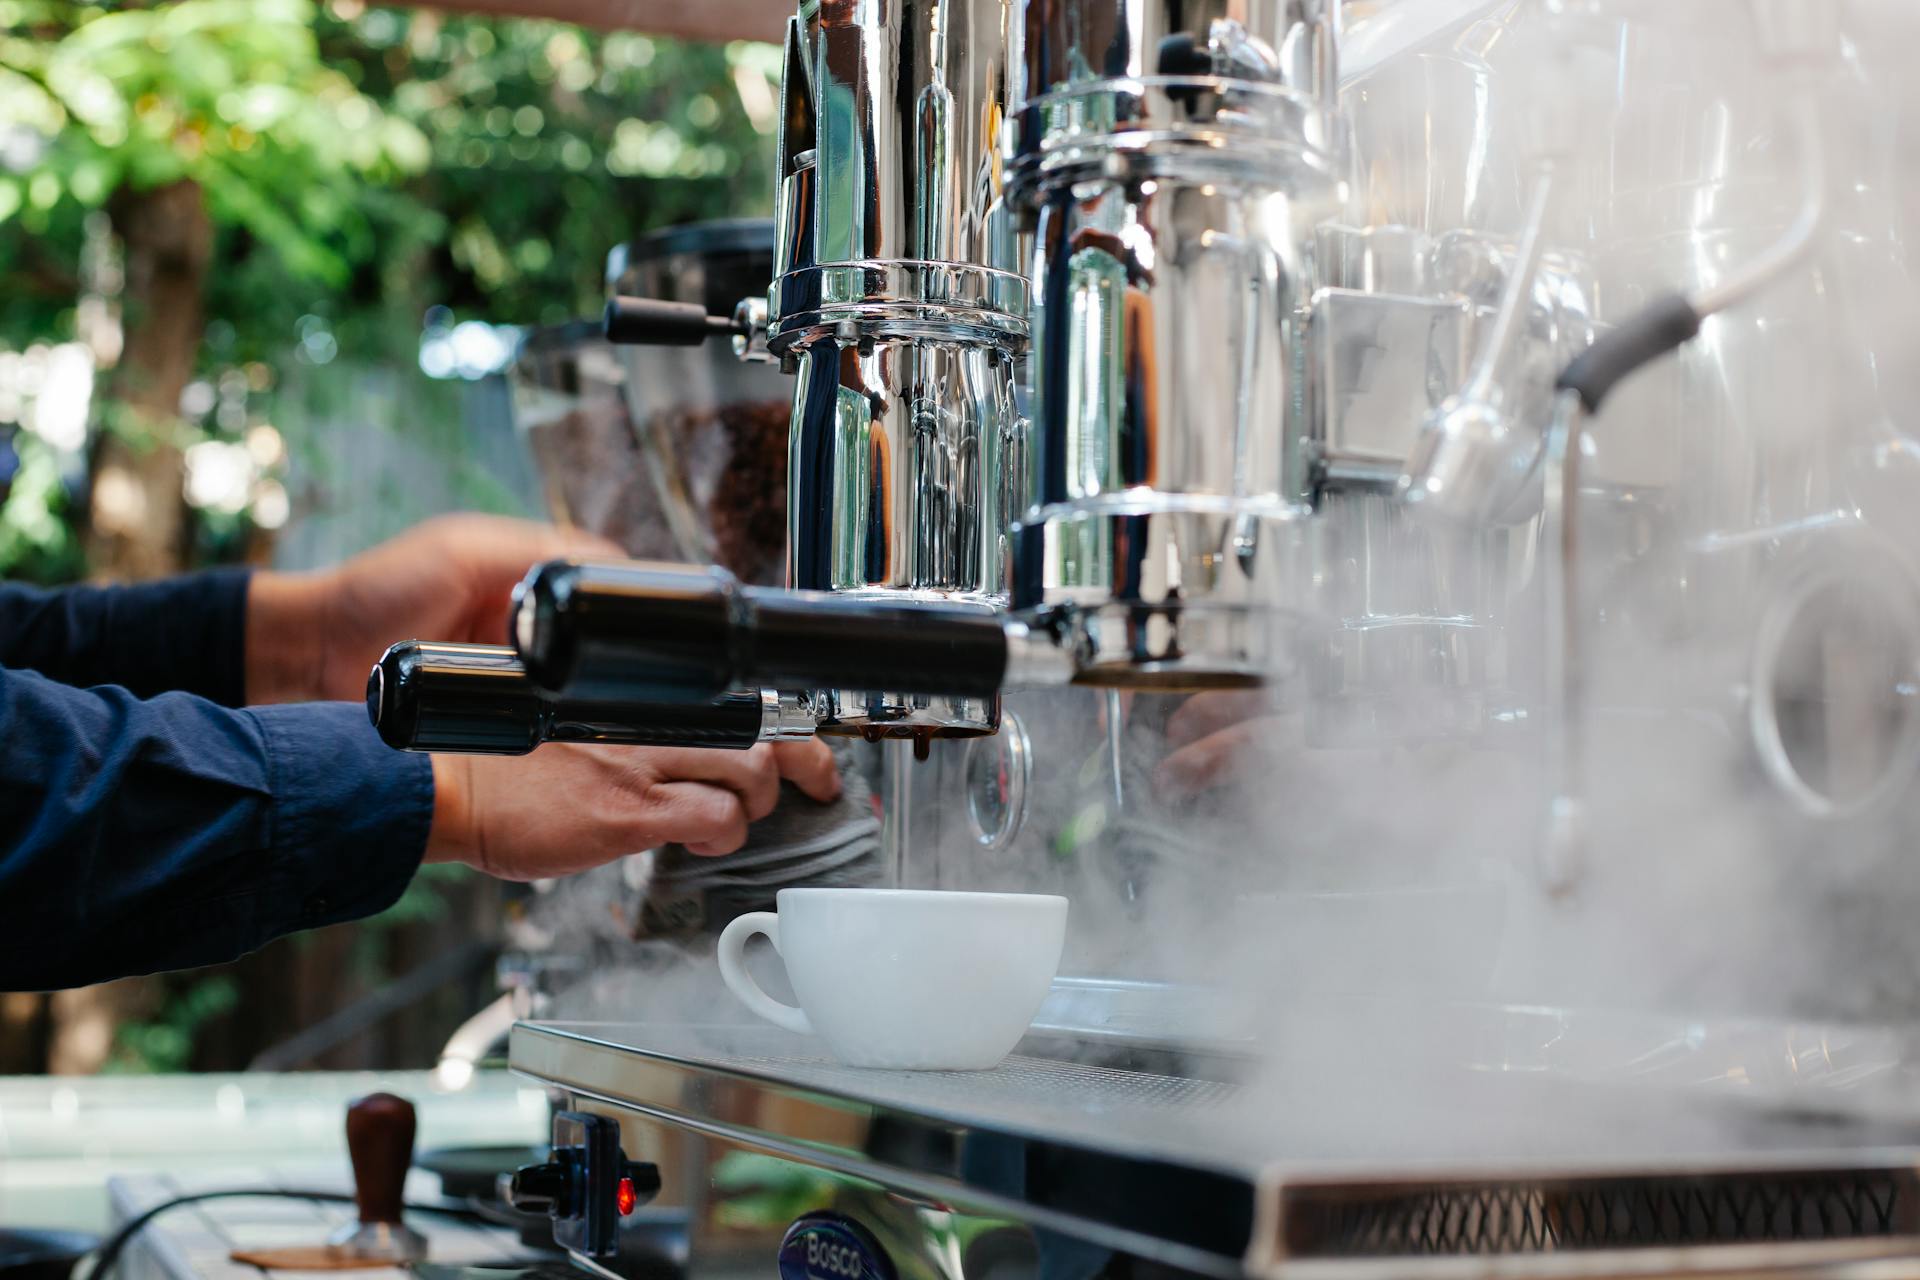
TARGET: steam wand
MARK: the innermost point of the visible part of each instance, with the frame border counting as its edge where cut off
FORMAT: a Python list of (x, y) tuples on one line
[(1662, 326)]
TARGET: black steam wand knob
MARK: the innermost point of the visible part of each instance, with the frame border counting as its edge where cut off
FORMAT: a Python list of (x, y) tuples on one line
[(652, 322)]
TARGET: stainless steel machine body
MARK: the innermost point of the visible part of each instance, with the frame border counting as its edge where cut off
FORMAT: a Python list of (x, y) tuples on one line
[(1421, 743), (1017, 1172), (1173, 162)]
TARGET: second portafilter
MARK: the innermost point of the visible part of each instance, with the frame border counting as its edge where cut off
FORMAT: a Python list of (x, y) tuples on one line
[(644, 631)]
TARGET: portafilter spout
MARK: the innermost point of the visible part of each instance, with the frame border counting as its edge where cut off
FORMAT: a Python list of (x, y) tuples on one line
[(662, 632)]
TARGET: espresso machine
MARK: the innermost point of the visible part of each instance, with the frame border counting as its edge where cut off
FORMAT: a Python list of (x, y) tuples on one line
[(1396, 511)]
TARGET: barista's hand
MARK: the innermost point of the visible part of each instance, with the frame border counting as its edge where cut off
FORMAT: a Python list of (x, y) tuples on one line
[(568, 808), (1218, 738), (315, 635)]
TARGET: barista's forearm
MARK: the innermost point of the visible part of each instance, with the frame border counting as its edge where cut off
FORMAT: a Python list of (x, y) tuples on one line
[(186, 633), (138, 835)]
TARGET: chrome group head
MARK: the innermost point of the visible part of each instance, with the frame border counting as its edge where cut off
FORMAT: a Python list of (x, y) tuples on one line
[(896, 306)]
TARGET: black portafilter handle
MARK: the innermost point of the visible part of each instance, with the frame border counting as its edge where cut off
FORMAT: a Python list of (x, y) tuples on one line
[(642, 629), (475, 699), (651, 322)]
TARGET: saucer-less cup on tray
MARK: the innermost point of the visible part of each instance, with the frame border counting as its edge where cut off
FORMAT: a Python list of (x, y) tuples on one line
[(909, 979)]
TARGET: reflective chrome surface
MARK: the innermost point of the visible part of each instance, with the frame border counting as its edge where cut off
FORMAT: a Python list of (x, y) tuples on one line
[(1477, 451), (1164, 372), (889, 458), (1073, 46), (1424, 351), (893, 313), (1647, 652), (1378, 363), (877, 715), (786, 716), (854, 300), (1171, 162), (908, 97), (998, 772), (1414, 647), (1154, 126), (1112, 1166), (1834, 687)]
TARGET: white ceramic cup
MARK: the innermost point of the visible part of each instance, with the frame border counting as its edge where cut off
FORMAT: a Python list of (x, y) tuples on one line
[(911, 979)]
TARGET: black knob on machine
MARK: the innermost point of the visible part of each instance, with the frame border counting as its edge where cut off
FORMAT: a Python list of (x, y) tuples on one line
[(651, 322), (542, 1188), (476, 699)]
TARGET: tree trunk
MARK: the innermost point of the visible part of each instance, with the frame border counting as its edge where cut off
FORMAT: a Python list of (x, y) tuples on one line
[(24, 1027), (138, 521)]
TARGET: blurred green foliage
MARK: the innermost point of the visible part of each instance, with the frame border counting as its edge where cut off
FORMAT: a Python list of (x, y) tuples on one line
[(231, 95), (37, 539), (165, 1042), (361, 165), (365, 164)]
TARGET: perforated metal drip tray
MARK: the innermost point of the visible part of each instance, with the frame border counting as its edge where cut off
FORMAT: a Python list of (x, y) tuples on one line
[(1531, 1215), (1199, 1174)]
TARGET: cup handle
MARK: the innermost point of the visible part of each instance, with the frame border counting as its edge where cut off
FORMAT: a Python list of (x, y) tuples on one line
[(733, 970)]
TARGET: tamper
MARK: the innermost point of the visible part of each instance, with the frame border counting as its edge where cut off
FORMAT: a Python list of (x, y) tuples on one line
[(380, 1144)]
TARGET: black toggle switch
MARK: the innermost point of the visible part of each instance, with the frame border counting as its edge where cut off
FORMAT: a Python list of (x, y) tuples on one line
[(543, 1188), (586, 1186)]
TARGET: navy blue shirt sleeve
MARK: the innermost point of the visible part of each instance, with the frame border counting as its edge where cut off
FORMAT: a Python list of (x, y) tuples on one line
[(186, 633), (145, 834)]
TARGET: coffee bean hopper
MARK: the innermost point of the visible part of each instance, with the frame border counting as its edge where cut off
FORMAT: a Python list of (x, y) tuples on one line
[(1392, 518), (676, 453)]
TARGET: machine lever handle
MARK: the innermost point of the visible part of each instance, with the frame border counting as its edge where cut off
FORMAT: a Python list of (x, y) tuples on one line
[(652, 322)]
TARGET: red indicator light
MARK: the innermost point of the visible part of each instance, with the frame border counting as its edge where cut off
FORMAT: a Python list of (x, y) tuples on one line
[(625, 1197)]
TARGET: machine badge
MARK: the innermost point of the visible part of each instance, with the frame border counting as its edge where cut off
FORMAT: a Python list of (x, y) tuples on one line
[(826, 1246)]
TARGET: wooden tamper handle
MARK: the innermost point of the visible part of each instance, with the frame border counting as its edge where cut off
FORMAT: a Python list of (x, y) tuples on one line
[(380, 1144)]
